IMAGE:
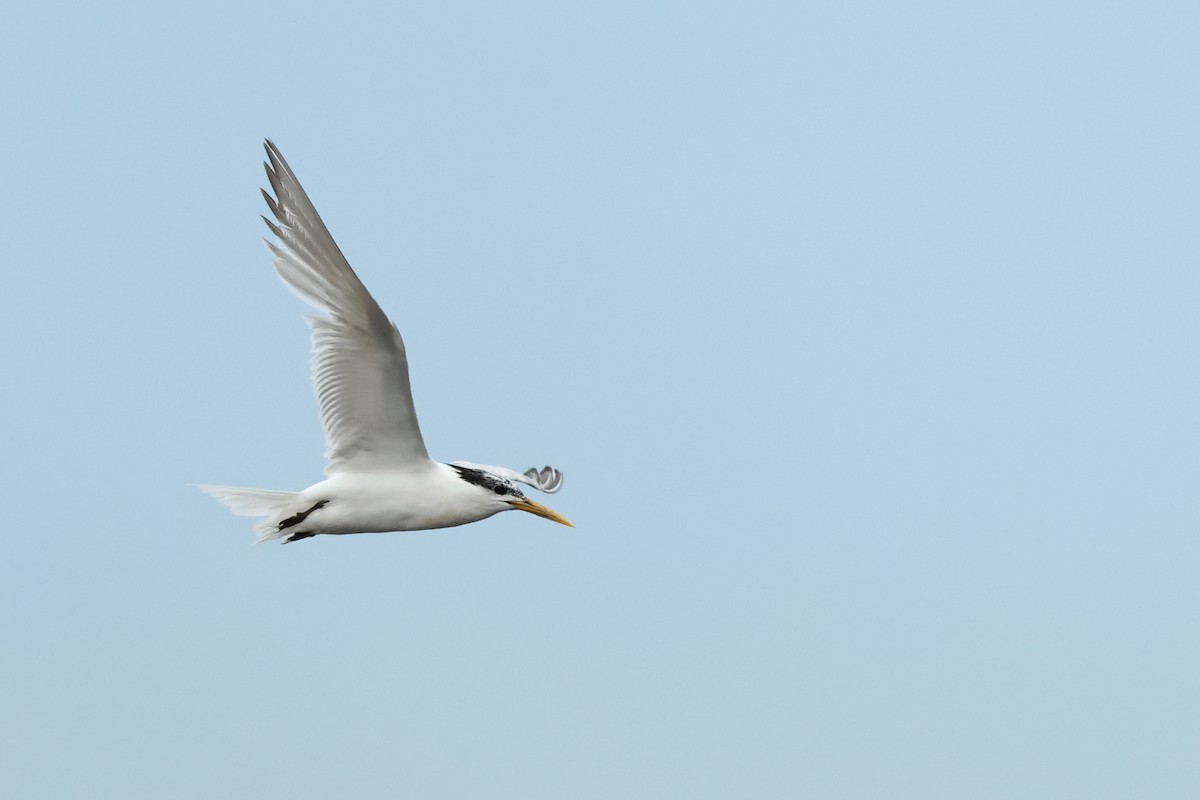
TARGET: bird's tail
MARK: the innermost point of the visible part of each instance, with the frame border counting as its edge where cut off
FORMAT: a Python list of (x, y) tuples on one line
[(255, 503)]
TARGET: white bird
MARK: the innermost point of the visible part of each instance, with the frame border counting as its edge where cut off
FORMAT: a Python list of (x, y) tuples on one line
[(380, 477)]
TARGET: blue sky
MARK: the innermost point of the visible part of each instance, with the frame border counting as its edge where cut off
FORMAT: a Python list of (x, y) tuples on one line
[(864, 334)]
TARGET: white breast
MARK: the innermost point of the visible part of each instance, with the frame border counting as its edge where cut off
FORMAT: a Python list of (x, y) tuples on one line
[(432, 497)]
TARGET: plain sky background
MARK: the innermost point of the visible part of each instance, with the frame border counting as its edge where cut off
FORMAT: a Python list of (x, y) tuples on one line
[(864, 333)]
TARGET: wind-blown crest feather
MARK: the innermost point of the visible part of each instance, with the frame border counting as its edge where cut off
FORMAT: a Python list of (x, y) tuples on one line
[(548, 479)]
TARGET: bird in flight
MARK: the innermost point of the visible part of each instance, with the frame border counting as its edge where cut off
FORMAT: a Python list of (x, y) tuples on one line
[(380, 477)]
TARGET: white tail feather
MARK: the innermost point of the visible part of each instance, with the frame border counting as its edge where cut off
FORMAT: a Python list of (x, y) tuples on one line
[(255, 503)]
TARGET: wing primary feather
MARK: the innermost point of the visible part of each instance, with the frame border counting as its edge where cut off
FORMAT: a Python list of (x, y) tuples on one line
[(274, 228), (271, 201)]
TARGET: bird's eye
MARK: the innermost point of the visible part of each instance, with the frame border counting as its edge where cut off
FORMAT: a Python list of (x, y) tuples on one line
[(499, 490)]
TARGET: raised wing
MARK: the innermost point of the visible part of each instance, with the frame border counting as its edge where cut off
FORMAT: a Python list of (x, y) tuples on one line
[(547, 479), (359, 367)]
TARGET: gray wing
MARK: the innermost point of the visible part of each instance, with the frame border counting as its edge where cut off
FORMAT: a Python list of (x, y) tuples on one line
[(359, 367)]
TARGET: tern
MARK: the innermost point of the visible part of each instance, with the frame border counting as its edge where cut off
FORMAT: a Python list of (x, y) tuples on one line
[(380, 477)]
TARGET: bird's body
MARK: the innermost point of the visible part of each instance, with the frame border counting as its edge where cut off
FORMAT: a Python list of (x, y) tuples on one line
[(380, 477), (425, 497)]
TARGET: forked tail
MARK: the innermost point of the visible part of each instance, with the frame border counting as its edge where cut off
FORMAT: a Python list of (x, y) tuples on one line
[(256, 503)]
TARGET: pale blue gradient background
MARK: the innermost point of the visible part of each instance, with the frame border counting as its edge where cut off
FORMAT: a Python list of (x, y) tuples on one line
[(865, 335)]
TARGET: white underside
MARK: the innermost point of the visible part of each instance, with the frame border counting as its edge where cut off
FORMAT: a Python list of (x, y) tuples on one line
[(410, 500), (420, 497)]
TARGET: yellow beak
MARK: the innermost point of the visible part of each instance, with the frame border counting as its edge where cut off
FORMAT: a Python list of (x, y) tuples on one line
[(540, 510)]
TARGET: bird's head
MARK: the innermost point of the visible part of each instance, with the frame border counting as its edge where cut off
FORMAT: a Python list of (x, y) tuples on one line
[(502, 493)]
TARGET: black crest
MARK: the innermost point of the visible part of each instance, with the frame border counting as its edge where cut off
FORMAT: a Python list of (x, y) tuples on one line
[(486, 480)]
